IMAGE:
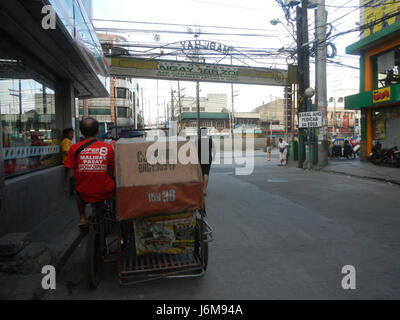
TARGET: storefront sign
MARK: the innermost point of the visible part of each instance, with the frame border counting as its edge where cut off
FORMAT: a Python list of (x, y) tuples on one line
[(381, 95), (377, 10), (26, 152), (310, 119)]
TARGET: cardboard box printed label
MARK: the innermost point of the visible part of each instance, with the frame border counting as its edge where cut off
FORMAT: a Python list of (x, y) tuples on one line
[(170, 234)]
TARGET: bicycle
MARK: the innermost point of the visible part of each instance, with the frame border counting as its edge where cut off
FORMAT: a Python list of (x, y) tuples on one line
[(100, 222)]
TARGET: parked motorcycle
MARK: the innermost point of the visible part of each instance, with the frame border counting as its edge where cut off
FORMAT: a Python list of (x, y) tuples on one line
[(356, 150), (385, 156), (356, 146), (343, 151)]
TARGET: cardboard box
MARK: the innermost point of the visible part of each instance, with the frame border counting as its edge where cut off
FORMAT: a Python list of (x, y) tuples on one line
[(146, 188), (171, 234)]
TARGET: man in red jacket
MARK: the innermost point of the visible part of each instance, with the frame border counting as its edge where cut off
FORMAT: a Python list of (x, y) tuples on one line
[(91, 164)]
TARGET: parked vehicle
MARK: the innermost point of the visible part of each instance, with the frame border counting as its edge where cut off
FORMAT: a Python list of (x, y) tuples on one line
[(356, 150), (355, 142), (380, 156), (342, 148)]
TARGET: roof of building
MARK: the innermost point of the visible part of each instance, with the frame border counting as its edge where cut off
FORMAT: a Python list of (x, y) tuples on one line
[(206, 115), (247, 115)]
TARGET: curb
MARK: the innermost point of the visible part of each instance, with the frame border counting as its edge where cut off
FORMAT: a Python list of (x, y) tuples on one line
[(64, 256), (360, 176), (29, 287)]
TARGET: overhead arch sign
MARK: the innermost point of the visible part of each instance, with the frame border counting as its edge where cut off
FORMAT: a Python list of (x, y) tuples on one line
[(192, 71)]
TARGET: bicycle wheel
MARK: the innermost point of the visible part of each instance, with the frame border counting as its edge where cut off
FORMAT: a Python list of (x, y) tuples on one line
[(201, 250), (94, 258)]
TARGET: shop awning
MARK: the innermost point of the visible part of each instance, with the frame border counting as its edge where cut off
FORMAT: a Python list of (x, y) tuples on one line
[(382, 96)]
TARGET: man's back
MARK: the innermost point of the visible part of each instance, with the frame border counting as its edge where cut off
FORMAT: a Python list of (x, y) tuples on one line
[(93, 167)]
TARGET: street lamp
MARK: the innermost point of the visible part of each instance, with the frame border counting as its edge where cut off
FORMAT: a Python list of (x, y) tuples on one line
[(274, 22)]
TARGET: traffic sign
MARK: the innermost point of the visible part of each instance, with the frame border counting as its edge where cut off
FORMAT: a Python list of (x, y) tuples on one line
[(311, 119)]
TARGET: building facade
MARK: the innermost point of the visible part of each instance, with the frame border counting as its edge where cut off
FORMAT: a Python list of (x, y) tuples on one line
[(214, 102), (121, 108), (379, 96), (215, 122), (342, 122), (273, 111), (42, 73)]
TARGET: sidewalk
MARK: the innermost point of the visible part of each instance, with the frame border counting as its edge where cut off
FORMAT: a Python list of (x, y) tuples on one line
[(60, 233), (363, 169)]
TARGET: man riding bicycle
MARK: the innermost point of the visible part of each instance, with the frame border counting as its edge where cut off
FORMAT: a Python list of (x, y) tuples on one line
[(91, 165)]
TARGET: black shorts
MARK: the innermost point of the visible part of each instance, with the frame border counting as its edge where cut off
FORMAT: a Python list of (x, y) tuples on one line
[(205, 169)]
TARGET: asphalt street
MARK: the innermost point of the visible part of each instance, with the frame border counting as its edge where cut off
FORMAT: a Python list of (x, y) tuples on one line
[(280, 233)]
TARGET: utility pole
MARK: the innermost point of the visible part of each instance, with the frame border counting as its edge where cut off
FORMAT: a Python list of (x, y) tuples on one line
[(303, 70), (144, 122), (198, 107), (321, 94), (334, 116), (165, 115), (172, 105), (19, 95), (158, 108), (180, 106)]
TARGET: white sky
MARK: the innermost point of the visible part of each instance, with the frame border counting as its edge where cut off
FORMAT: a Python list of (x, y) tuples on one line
[(230, 13)]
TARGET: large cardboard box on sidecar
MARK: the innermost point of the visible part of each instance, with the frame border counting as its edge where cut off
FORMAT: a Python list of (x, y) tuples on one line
[(146, 188)]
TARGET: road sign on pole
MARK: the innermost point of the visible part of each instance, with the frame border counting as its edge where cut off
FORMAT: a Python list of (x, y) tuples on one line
[(311, 119)]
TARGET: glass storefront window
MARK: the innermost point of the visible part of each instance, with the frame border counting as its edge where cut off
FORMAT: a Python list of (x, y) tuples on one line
[(30, 137), (387, 68), (386, 126)]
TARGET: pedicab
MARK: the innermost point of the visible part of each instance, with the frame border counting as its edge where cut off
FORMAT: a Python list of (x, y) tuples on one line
[(155, 227)]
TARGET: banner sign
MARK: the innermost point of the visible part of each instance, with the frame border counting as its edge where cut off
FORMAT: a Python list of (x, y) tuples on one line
[(310, 119), (190, 71)]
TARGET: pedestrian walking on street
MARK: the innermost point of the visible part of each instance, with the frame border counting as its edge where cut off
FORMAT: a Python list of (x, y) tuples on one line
[(283, 146), (206, 154), (269, 147)]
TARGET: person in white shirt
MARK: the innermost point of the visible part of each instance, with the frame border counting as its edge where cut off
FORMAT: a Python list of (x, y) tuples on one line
[(283, 146)]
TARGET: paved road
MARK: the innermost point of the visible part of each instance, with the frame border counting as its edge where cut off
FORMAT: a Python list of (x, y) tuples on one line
[(280, 232)]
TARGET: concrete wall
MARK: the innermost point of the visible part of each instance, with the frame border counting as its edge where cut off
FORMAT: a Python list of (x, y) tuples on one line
[(31, 198)]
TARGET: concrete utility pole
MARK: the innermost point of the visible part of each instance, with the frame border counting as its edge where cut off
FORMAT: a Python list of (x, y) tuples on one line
[(334, 116), (198, 107), (19, 95), (158, 109), (303, 57), (180, 106), (172, 106), (321, 91), (144, 122)]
